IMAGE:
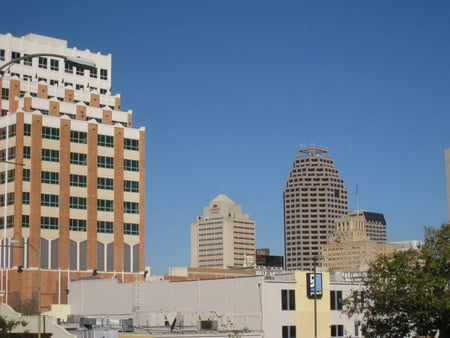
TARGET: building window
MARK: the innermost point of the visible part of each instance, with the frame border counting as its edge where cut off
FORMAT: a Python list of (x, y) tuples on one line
[(26, 152), (289, 331), (78, 180), (78, 158), (78, 136), (25, 197), (105, 227), (106, 141), (10, 221), (5, 93), (103, 74), (131, 229), (93, 73), (105, 205), (26, 175), (27, 129), (10, 198), (49, 200), (103, 91), (131, 165), (27, 61), (79, 87), (68, 68), (77, 225), (78, 202), (80, 70), (49, 177), (49, 223), (49, 155), (337, 330), (336, 300), (3, 133), (54, 64), (105, 162), (15, 55), (25, 221), (131, 186), (27, 78), (105, 183), (50, 133), (287, 299), (131, 144), (53, 82), (2, 55), (131, 207), (11, 153), (42, 62), (12, 130)]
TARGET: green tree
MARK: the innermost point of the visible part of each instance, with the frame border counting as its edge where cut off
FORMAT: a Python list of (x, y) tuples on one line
[(6, 326), (407, 292)]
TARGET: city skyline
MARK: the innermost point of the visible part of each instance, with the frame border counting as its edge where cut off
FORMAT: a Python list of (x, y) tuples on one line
[(228, 92)]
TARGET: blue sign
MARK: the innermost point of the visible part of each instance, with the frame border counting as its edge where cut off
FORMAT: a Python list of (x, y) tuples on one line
[(314, 285)]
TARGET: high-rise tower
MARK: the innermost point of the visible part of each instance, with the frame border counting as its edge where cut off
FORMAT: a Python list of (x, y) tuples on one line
[(223, 237), (313, 198), (72, 171)]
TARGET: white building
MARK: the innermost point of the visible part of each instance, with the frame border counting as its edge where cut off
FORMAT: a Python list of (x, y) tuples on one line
[(223, 237)]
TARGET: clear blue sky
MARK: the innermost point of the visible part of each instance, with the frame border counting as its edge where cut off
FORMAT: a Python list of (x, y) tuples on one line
[(229, 90)]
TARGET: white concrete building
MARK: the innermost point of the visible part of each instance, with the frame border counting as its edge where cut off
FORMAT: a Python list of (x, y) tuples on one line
[(223, 236)]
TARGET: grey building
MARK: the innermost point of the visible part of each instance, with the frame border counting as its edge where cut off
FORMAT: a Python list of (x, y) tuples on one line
[(313, 198)]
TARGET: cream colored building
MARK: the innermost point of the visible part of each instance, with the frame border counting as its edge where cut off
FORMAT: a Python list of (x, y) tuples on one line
[(223, 236), (350, 248)]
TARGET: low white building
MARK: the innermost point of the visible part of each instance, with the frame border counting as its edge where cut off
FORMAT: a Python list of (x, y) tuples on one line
[(253, 306)]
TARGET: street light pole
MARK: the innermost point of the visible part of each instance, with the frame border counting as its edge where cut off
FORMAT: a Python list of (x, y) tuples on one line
[(39, 286), (315, 259)]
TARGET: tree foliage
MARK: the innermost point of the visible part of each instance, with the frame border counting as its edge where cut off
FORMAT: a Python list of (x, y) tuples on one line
[(407, 292), (6, 326)]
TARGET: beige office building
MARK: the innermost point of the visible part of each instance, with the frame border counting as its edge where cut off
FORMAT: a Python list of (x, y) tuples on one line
[(313, 198), (72, 177), (351, 248), (223, 236)]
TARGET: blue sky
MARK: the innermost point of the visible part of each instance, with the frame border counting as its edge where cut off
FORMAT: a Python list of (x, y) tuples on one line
[(229, 90)]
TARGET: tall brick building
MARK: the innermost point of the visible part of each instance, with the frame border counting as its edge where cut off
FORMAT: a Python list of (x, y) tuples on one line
[(313, 198), (72, 173)]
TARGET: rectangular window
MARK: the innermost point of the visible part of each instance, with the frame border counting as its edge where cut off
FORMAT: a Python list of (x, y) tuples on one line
[(287, 299), (93, 73), (53, 82), (336, 300), (10, 198), (289, 331), (25, 197), (27, 61), (80, 70), (10, 221), (106, 141), (131, 229), (105, 183), (12, 130), (27, 78), (5, 93), (105, 162), (131, 165), (131, 207), (49, 200), (131, 186), (105, 227), (105, 205), (25, 221), (50, 155), (15, 55), (103, 74), (68, 68), (49, 223), (50, 133), (49, 177), (26, 175), (131, 144), (3, 133), (78, 180), (11, 153), (11, 175), (42, 62), (2, 155), (54, 64), (27, 129), (337, 330), (77, 225), (78, 136), (2, 177), (26, 152), (78, 202), (2, 55), (78, 158)]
